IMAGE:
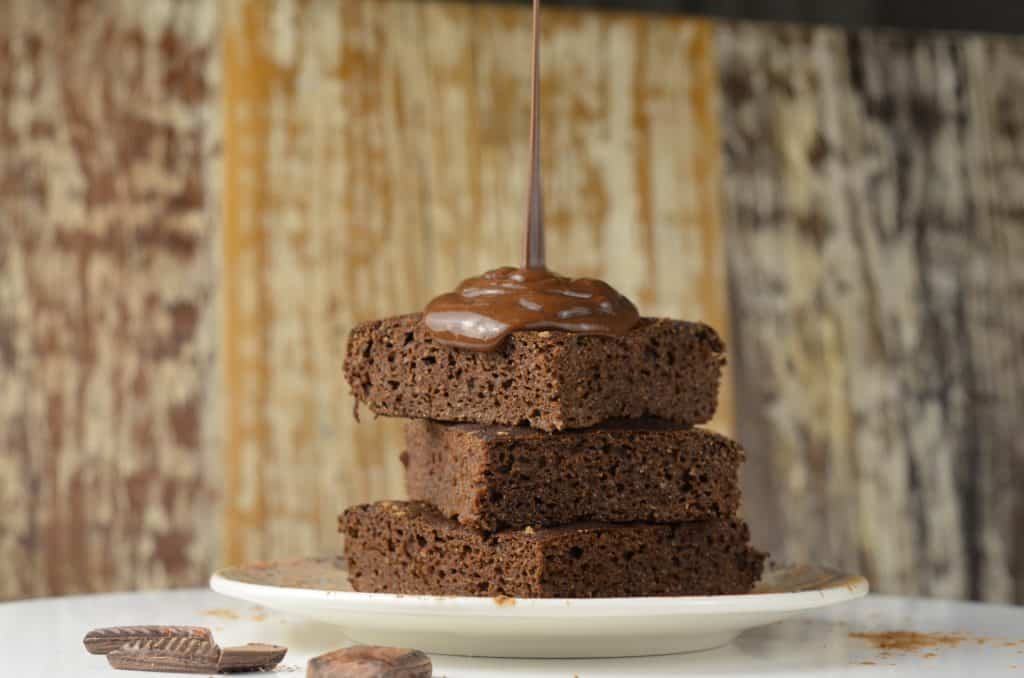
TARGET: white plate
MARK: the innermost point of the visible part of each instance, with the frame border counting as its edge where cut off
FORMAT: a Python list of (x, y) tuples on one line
[(533, 627)]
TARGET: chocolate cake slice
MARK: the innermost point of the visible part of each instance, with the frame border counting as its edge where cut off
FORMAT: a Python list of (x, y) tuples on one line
[(550, 380), (408, 547), (495, 477)]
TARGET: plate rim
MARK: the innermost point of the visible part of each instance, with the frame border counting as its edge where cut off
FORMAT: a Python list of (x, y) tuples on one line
[(848, 588)]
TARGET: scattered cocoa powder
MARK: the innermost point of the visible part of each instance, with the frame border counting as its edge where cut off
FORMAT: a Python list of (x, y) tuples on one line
[(221, 613), (909, 641)]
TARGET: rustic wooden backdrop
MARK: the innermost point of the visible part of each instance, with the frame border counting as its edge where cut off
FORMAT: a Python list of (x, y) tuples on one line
[(199, 199)]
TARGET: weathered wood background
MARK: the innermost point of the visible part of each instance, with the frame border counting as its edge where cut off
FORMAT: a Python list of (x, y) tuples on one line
[(875, 233), (108, 276), (198, 200)]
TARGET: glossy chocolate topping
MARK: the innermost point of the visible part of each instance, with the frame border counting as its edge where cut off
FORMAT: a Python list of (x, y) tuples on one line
[(483, 310)]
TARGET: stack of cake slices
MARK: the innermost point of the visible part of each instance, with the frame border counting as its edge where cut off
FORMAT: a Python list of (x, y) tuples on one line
[(561, 465)]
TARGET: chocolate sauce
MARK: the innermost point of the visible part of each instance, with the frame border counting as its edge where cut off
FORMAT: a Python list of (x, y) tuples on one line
[(484, 310), (533, 233)]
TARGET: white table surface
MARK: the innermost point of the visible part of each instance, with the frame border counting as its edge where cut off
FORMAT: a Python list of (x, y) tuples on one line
[(43, 638)]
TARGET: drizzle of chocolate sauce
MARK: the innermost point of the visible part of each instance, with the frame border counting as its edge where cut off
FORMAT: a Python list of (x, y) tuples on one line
[(484, 310)]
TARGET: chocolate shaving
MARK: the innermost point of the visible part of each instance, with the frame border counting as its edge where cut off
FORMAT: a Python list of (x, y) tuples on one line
[(251, 657), (173, 655), (178, 649), (106, 640)]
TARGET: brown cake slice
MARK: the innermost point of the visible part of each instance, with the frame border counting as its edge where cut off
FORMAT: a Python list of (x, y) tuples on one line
[(495, 477), (408, 547), (551, 380)]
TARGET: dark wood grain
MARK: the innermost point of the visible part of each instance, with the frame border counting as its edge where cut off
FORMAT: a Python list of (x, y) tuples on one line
[(873, 208), (998, 16)]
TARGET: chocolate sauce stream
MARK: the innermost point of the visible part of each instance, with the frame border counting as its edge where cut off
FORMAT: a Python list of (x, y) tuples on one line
[(533, 235), (484, 310)]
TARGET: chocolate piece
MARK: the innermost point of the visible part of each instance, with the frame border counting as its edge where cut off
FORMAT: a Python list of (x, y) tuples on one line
[(551, 380), (250, 657), (408, 547), (492, 477), (173, 655), (102, 641), (370, 661)]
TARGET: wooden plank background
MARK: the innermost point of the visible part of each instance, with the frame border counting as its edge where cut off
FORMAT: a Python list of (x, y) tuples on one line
[(197, 203), (875, 239), (108, 148)]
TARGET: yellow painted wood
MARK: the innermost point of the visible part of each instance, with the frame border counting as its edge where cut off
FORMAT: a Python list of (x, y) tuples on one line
[(375, 154)]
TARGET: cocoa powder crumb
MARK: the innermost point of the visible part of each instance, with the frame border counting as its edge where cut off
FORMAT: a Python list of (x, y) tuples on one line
[(221, 613), (909, 641)]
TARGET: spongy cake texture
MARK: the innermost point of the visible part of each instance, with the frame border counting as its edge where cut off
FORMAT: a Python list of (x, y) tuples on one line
[(549, 380)]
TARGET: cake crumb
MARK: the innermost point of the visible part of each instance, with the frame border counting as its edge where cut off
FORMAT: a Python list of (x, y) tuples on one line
[(504, 601), (868, 664), (528, 530), (929, 655)]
